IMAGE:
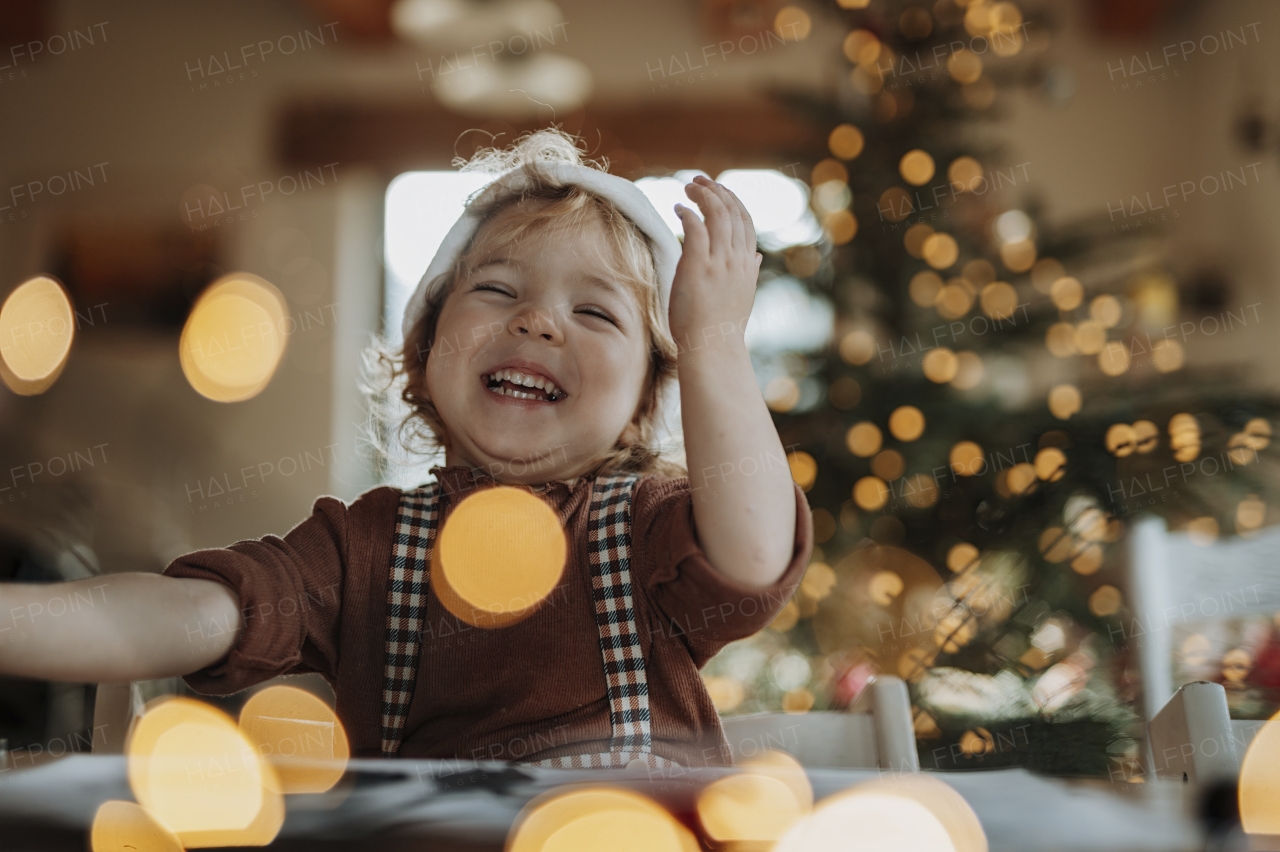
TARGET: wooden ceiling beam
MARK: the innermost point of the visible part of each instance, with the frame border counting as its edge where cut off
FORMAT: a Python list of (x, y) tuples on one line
[(647, 139)]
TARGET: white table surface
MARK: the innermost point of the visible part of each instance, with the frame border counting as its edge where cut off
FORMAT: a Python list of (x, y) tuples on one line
[(476, 803)]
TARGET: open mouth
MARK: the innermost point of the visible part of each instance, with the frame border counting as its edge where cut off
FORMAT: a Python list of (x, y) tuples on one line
[(518, 385)]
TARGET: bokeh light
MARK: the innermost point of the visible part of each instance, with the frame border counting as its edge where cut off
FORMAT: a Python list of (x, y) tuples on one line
[(857, 347), (969, 371), (768, 796), (1067, 293), (846, 141), (965, 173), (961, 557), (916, 167), (234, 338), (127, 827), (300, 736), (587, 819), (870, 493), (940, 250), (194, 771), (925, 285), (1260, 781), (906, 423), (500, 553), (37, 325), (888, 465), (804, 469), (966, 459), (864, 439), (1064, 401), (940, 365)]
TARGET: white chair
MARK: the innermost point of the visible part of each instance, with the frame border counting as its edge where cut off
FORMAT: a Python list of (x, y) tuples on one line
[(1194, 739), (1176, 582), (875, 733)]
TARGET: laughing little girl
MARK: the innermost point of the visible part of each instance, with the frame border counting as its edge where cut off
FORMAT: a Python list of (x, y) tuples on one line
[(537, 349)]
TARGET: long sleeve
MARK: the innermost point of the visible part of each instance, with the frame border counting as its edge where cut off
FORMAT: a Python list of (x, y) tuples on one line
[(697, 603), (290, 592)]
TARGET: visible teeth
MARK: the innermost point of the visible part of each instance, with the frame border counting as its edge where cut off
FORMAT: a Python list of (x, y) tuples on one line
[(518, 378)]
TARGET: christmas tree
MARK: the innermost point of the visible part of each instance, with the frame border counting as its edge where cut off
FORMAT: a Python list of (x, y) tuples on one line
[(974, 440)]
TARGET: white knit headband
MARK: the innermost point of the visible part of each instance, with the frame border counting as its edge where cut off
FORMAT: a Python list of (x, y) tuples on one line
[(624, 194)]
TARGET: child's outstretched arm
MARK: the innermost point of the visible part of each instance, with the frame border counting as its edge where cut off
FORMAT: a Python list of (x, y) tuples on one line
[(113, 628), (744, 502)]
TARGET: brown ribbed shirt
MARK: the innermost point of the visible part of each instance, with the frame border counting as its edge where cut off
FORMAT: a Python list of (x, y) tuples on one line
[(315, 601)]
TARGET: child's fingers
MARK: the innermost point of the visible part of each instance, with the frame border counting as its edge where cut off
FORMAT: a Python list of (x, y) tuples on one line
[(695, 232), (716, 213), (738, 217)]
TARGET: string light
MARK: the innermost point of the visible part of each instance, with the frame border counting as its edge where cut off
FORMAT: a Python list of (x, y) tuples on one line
[(1090, 338), (857, 347), (961, 557), (864, 439), (965, 173), (1061, 339), (966, 458), (916, 167), (999, 300), (965, 66), (925, 286), (1167, 355), (870, 493), (941, 251), (888, 465), (804, 469), (846, 141), (913, 242), (969, 371), (1067, 293), (906, 423), (1113, 359), (1105, 310), (940, 365), (1064, 401)]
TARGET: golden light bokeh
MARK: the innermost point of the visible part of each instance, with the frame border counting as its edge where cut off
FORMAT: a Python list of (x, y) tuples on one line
[(1018, 256), (913, 242), (1167, 355), (914, 662), (885, 586), (1090, 338), (867, 79), (925, 286), (1259, 788), (1020, 478), (1121, 440), (954, 300), (234, 338), (840, 226), (864, 439), (901, 812), (1056, 544), (999, 300), (965, 173), (940, 365), (1105, 600), (37, 326), (804, 469), (1113, 359), (1064, 401), (498, 555), (792, 23), (585, 819), (127, 827), (798, 700), (831, 196), (857, 347), (1067, 293), (1251, 514), (846, 141), (859, 44), (965, 66), (1050, 464), (818, 581), (921, 490), (870, 493), (941, 251), (1088, 561), (1106, 311), (888, 465), (977, 742), (802, 261), (969, 371), (299, 735), (786, 618), (915, 23), (726, 692), (756, 805), (895, 204), (1184, 437), (1046, 271), (916, 167), (961, 557), (197, 775), (1146, 436), (979, 271), (1060, 339), (906, 423), (827, 170), (966, 458)]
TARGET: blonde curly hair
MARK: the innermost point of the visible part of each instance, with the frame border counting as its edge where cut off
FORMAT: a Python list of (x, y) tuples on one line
[(558, 208)]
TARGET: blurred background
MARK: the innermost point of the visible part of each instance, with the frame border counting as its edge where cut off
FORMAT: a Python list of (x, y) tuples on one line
[(1018, 296)]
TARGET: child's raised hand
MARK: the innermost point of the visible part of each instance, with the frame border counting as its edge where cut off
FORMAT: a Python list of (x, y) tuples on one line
[(715, 281)]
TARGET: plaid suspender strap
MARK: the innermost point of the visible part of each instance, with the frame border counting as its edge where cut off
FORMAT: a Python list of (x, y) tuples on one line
[(407, 584), (624, 671), (609, 551)]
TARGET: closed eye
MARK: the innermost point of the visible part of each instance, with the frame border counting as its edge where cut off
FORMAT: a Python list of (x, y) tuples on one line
[(597, 312), (493, 286)]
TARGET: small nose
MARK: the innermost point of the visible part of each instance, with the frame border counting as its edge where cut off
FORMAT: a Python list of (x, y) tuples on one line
[(537, 322)]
